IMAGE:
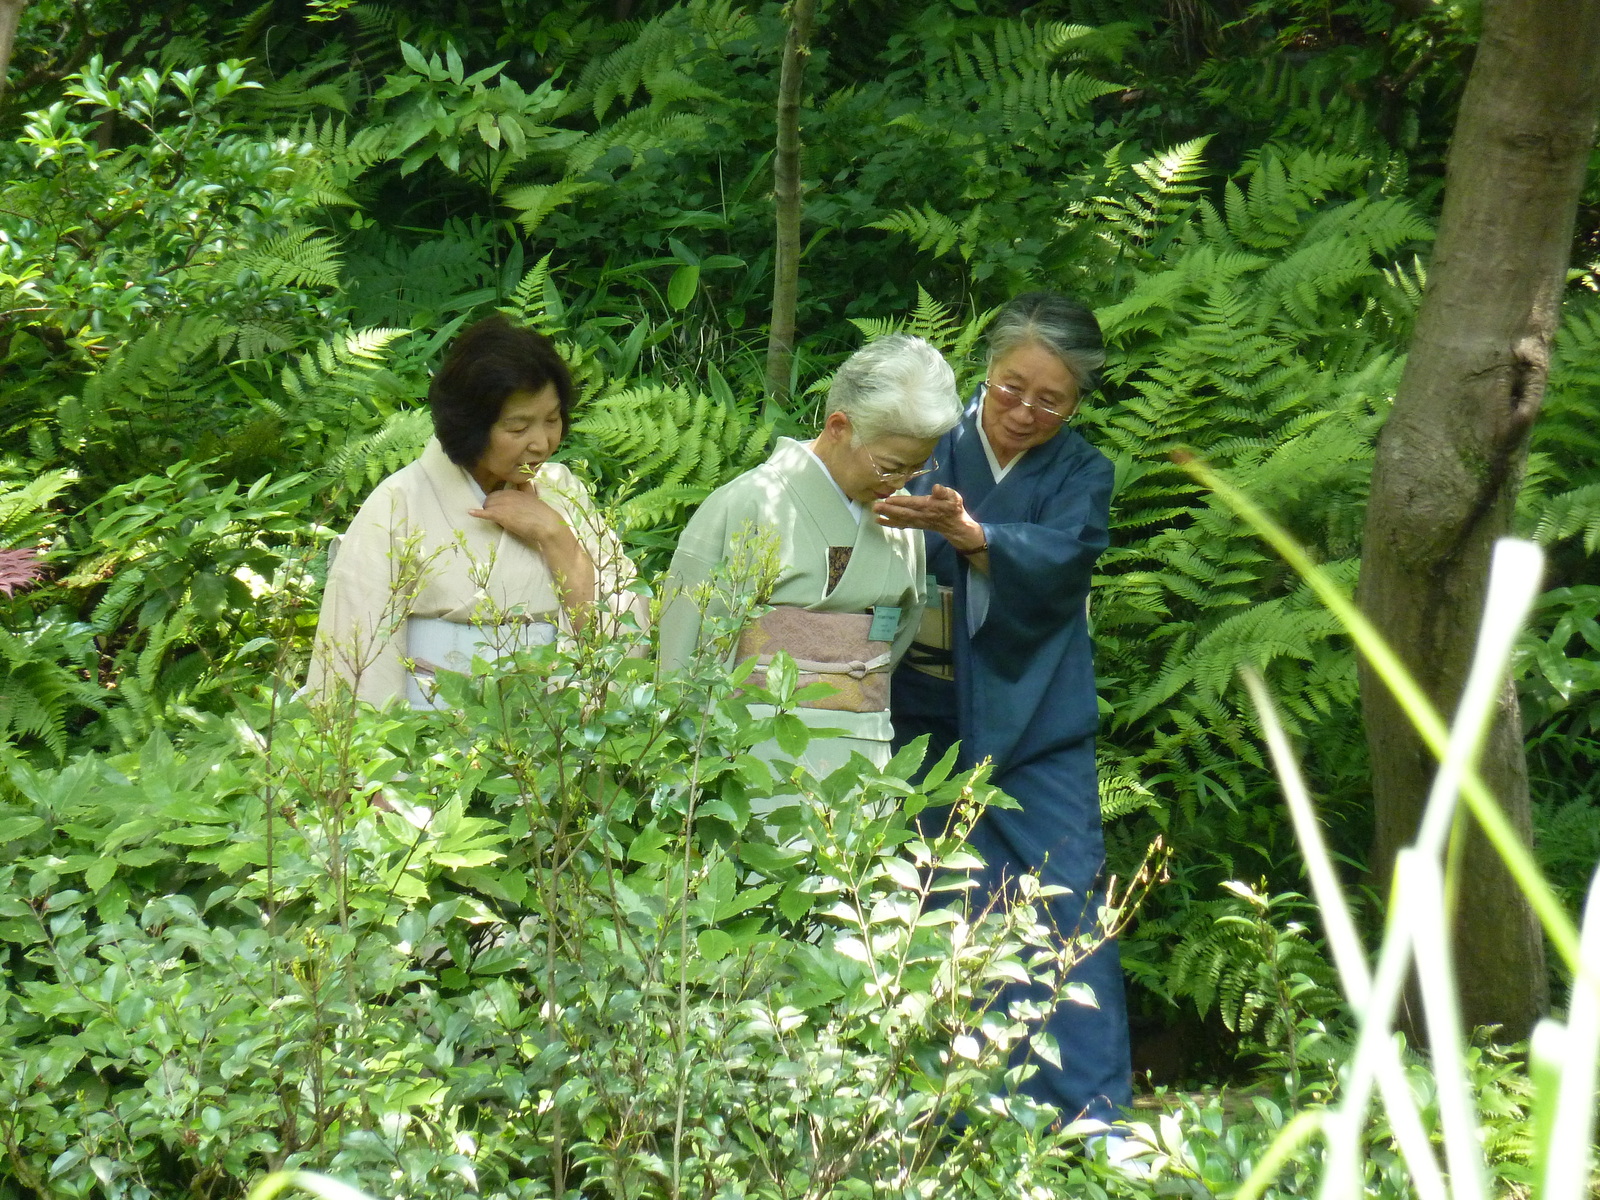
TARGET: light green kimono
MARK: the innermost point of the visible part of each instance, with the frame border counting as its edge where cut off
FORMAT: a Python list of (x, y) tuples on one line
[(792, 499)]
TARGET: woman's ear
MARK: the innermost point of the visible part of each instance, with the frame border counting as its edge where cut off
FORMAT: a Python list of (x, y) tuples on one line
[(837, 427)]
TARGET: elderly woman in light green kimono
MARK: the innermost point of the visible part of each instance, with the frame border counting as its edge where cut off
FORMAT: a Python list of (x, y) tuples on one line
[(849, 592)]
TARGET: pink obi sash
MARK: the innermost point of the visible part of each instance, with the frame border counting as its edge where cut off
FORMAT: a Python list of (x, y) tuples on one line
[(827, 647)]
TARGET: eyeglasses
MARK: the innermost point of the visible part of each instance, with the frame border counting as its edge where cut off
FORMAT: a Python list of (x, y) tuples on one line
[(904, 476), (1011, 397)]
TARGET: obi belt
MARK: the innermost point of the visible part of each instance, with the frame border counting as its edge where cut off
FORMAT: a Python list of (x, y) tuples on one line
[(827, 647), (435, 645)]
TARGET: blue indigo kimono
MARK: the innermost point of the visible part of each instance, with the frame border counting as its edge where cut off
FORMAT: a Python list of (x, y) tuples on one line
[(1023, 695)]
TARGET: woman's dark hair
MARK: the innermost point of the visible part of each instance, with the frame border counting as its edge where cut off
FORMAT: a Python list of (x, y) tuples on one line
[(1060, 324), (488, 363)]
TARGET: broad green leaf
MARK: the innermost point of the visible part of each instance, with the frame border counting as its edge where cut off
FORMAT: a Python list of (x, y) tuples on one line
[(15, 827), (194, 836), (681, 288), (647, 846), (796, 902), (714, 944), (791, 734)]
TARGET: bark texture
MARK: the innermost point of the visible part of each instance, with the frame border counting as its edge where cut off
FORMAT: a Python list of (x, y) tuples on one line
[(1451, 458), (10, 15), (786, 193)]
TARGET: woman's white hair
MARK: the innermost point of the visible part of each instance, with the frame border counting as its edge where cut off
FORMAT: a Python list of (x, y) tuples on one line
[(897, 386)]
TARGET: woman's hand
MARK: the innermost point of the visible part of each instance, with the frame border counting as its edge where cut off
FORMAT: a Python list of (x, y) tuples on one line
[(521, 513), (944, 514), (524, 515)]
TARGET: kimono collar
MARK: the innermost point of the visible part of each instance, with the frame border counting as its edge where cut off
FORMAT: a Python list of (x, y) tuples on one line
[(456, 488), (793, 457), (995, 468), (856, 510)]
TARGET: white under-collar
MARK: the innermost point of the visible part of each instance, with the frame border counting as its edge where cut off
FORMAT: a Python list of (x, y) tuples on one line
[(995, 468), (857, 510)]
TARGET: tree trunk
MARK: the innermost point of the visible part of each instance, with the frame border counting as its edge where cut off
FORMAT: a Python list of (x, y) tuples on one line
[(1451, 458), (786, 197), (10, 15)]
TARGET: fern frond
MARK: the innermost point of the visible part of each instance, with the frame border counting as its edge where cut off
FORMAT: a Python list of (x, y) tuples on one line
[(931, 230), (1135, 214), (640, 130), (1568, 515), (1012, 70), (343, 368), (536, 201), (362, 462), (42, 684), (158, 362), (668, 447), (297, 258), (653, 58), (1122, 792), (23, 509), (534, 301)]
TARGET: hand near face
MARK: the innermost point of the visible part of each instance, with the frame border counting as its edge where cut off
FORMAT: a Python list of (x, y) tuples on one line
[(521, 513), (942, 512)]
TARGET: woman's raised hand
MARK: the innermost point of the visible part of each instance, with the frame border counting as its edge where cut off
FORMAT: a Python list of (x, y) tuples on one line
[(941, 512), (524, 515), (521, 513)]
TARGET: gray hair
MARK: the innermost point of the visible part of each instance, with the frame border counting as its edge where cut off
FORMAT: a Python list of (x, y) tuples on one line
[(897, 386), (1060, 324)]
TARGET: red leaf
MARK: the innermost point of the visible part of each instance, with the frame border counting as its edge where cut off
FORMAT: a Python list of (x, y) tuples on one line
[(18, 568)]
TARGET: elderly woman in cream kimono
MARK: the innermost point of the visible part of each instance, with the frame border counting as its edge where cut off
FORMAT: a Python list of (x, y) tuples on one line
[(849, 592), (482, 545)]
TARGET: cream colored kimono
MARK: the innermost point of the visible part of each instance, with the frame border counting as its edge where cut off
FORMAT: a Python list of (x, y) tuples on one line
[(412, 551), (792, 499)]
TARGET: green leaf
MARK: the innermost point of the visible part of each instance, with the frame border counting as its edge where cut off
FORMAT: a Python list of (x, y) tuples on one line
[(791, 733), (13, 828), (714, 944), (769, 860), (681, 289), (413, 58), (796, 902), (100, 874), (647, 846), (749, 898), (201, 836), (1080, 993), (209, 595), (469, 858), (903, 873)]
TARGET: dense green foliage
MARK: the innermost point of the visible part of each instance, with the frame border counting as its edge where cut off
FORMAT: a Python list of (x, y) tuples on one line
[(236, 240), (295, 943)]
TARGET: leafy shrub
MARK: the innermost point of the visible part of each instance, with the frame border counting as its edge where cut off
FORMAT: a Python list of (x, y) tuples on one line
[(534, 945)]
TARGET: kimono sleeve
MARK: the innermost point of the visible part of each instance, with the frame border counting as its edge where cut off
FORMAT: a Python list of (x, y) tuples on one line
[(360, 630), (703, 544), (614, 571), (1039, 570)]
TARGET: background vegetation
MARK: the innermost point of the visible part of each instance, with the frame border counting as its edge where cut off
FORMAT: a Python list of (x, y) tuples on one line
[(233, 243)]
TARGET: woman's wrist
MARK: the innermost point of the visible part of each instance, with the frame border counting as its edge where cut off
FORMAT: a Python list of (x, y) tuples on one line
[(974, 540)]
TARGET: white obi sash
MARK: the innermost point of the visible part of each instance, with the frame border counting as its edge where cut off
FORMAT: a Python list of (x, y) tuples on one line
[(433, 645)]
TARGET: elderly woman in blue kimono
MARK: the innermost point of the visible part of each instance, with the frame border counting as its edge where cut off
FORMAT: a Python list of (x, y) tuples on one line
[(1016, 514)]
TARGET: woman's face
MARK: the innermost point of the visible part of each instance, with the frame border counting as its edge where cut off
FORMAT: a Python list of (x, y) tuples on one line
[(878, 469), (1022, 384), (526, 434), (872, 470)]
